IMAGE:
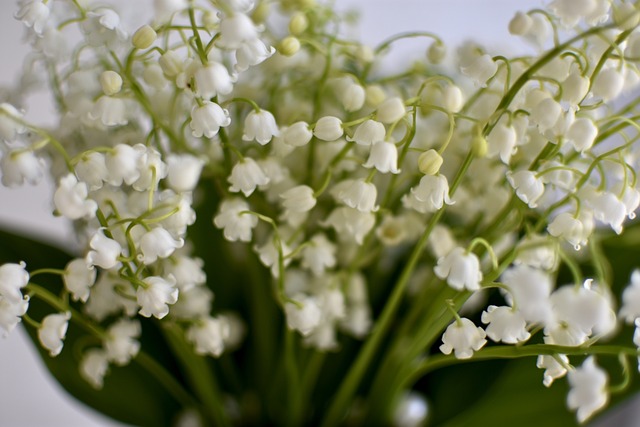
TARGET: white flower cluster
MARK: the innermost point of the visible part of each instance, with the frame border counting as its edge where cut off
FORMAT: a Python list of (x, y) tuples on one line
[(336, 178)]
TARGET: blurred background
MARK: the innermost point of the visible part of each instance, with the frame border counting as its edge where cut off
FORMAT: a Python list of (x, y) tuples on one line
[(28, 396)]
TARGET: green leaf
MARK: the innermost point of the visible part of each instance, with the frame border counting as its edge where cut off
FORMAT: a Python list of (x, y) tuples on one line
[(130, 395)]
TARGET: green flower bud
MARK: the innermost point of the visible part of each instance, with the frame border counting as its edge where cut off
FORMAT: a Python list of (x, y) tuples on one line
[(144, 37), (429, 162)]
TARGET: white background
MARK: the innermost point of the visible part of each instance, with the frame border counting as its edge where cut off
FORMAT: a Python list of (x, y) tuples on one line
[(28, 396)]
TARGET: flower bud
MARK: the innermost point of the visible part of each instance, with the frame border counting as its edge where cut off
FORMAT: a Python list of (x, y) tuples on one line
[(289, 46), (430, 162), (111, 82), (328, 128), (391, 110), (520, 24), (298, 23), (297, 135), (353, 97), (436, 52), (144, 37), (375, 95), (452, 99), (364, 53), (479, 146), (52, 331), (575, 88)]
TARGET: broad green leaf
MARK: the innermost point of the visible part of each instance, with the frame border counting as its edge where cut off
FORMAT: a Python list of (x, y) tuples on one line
[(130, 394)]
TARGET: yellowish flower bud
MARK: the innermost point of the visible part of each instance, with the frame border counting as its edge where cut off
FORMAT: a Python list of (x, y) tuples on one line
[(111, 82), (298, 24), (261, 12), (289, 46), (436, 52), (375, 95), (429, 162), (479, 146), (144, 37)]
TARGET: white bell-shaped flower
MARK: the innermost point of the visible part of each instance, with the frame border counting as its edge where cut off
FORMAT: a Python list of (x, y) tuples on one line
[(270, 255), (110, 111), (78, 279), (582, 133), (452, 98), (432, 193), (319, 255), (187, 271), (298, 199), (208, 335), (20, 166), (11, 313), (152, 169), (546, 114), (575, 88), (353, 97), (305, 316), (13, 277), (480, 69), (608, 84), (631, 299), (520, 24), (92, 170), (121, 344), (566, 226), (207, 119), (529, 188), (245, 176), (583, 308), (609, 209), (156, 295), (236, 225), (351, 223), (463, 337), (252, 52), (105, 251), (588, 392), (461, 269), (70, 199), (94, 366), (105, 301), (359, 194), (502, 141), (384, 157), (261, 126), (52, 331), (157, 243), (122, 164), (297, 135), (368, 132), (552, 368), (183, 172), (236, 30), (529, 290), (213, 79), (182, 215), (34, 14), (505, 324), (328, 128), (391, 110)]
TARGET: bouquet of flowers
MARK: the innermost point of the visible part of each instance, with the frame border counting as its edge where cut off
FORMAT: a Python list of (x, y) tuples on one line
[(274, 230)]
